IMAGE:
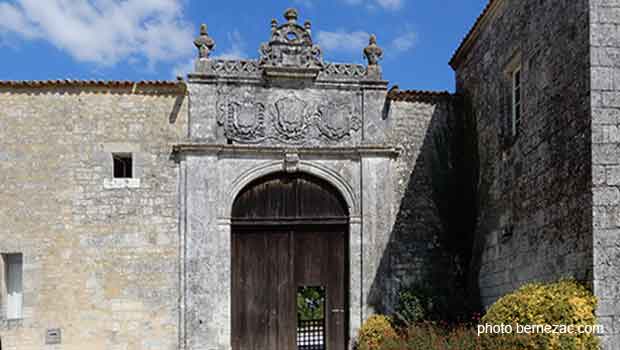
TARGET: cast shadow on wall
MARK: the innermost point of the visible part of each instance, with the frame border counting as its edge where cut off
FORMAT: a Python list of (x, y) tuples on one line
[(432, 243)]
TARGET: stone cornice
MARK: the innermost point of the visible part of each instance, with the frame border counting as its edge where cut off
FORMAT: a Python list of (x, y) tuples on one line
[(345, 152), (322, 83)]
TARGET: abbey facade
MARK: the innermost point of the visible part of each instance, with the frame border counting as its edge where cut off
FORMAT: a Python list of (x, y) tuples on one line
[(196, 214)]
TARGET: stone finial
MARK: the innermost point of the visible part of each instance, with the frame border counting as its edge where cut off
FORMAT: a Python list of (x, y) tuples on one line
[(373, 52), (291, 15), (274, 25), (204, 42), (308, 27)]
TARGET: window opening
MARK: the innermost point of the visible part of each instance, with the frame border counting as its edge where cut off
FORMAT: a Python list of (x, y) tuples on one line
[(311, 318), (123, 165)]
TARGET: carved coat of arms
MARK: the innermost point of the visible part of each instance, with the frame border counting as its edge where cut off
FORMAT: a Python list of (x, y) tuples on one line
[(290, 118), (336, 120), (243, 120)]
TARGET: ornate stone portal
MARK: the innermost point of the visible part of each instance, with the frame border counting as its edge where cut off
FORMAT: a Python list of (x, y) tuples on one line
[(287, 111)]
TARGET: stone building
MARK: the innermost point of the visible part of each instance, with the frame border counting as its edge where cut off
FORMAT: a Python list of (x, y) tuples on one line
[(196, 214)]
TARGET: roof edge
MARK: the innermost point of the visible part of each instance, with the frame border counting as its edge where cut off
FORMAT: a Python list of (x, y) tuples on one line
[(133, 86), (471, 36), (417, 95)]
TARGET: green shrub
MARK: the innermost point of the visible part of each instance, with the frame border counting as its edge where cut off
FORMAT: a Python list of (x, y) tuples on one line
[(376, 333), (418, 303), (413, 306), (561, 303), (432, 336)]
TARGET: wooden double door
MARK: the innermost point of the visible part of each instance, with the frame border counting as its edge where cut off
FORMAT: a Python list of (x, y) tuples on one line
[(289, 268), (289, 288)]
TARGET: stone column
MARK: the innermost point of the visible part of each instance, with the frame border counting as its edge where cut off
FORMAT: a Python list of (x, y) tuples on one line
[(355, 262), (223, 308)]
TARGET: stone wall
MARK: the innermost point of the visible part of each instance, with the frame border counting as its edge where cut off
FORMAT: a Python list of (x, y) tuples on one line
[(605, 83), (100, 257), (412, 251), (535, 221)]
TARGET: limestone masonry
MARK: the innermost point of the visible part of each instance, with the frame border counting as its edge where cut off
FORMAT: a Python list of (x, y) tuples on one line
[(137, 255)]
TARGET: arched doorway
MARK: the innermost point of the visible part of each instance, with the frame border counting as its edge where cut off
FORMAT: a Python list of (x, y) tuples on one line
[(289, 265)]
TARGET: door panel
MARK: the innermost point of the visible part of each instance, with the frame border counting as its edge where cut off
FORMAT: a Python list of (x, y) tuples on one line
[(269, 267), (262, 294), (337, 308), (320, 261)]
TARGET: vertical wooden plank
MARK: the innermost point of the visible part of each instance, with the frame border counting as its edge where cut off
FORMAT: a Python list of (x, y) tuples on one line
[(292, 312), (338, 308), (281, 292), (269, 290), (252, 337), (249, 287)]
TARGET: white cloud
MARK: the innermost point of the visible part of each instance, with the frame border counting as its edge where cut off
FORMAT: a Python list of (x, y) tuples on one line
[(404, 42), (183, 68), (356, 41), (103, 31), (12, 20), (390, 4), (371, 4), (236, 50), (343, 41)]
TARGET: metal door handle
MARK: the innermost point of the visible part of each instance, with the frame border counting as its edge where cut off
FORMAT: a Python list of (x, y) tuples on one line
[(337, 311)]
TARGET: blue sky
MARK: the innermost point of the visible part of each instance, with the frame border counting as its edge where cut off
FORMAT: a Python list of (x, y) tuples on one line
[(152, 39)]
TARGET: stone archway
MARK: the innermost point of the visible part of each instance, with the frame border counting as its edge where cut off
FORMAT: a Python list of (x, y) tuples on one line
[(289, 264)]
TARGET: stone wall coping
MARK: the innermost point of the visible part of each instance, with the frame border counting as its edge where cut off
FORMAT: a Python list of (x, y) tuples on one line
[(355, 151), (425, 96), (114, 86)]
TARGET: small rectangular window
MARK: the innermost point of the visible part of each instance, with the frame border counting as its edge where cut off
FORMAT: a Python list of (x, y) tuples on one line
[(14, 285), (311, 317), (123, 165), (516, 101)]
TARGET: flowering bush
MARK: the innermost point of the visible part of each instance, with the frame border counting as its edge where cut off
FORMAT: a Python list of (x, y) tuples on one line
[(376, 333), (433, 336), (561, 304)]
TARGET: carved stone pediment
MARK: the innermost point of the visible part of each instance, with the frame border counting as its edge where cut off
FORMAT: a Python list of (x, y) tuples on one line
[(291, 52)]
